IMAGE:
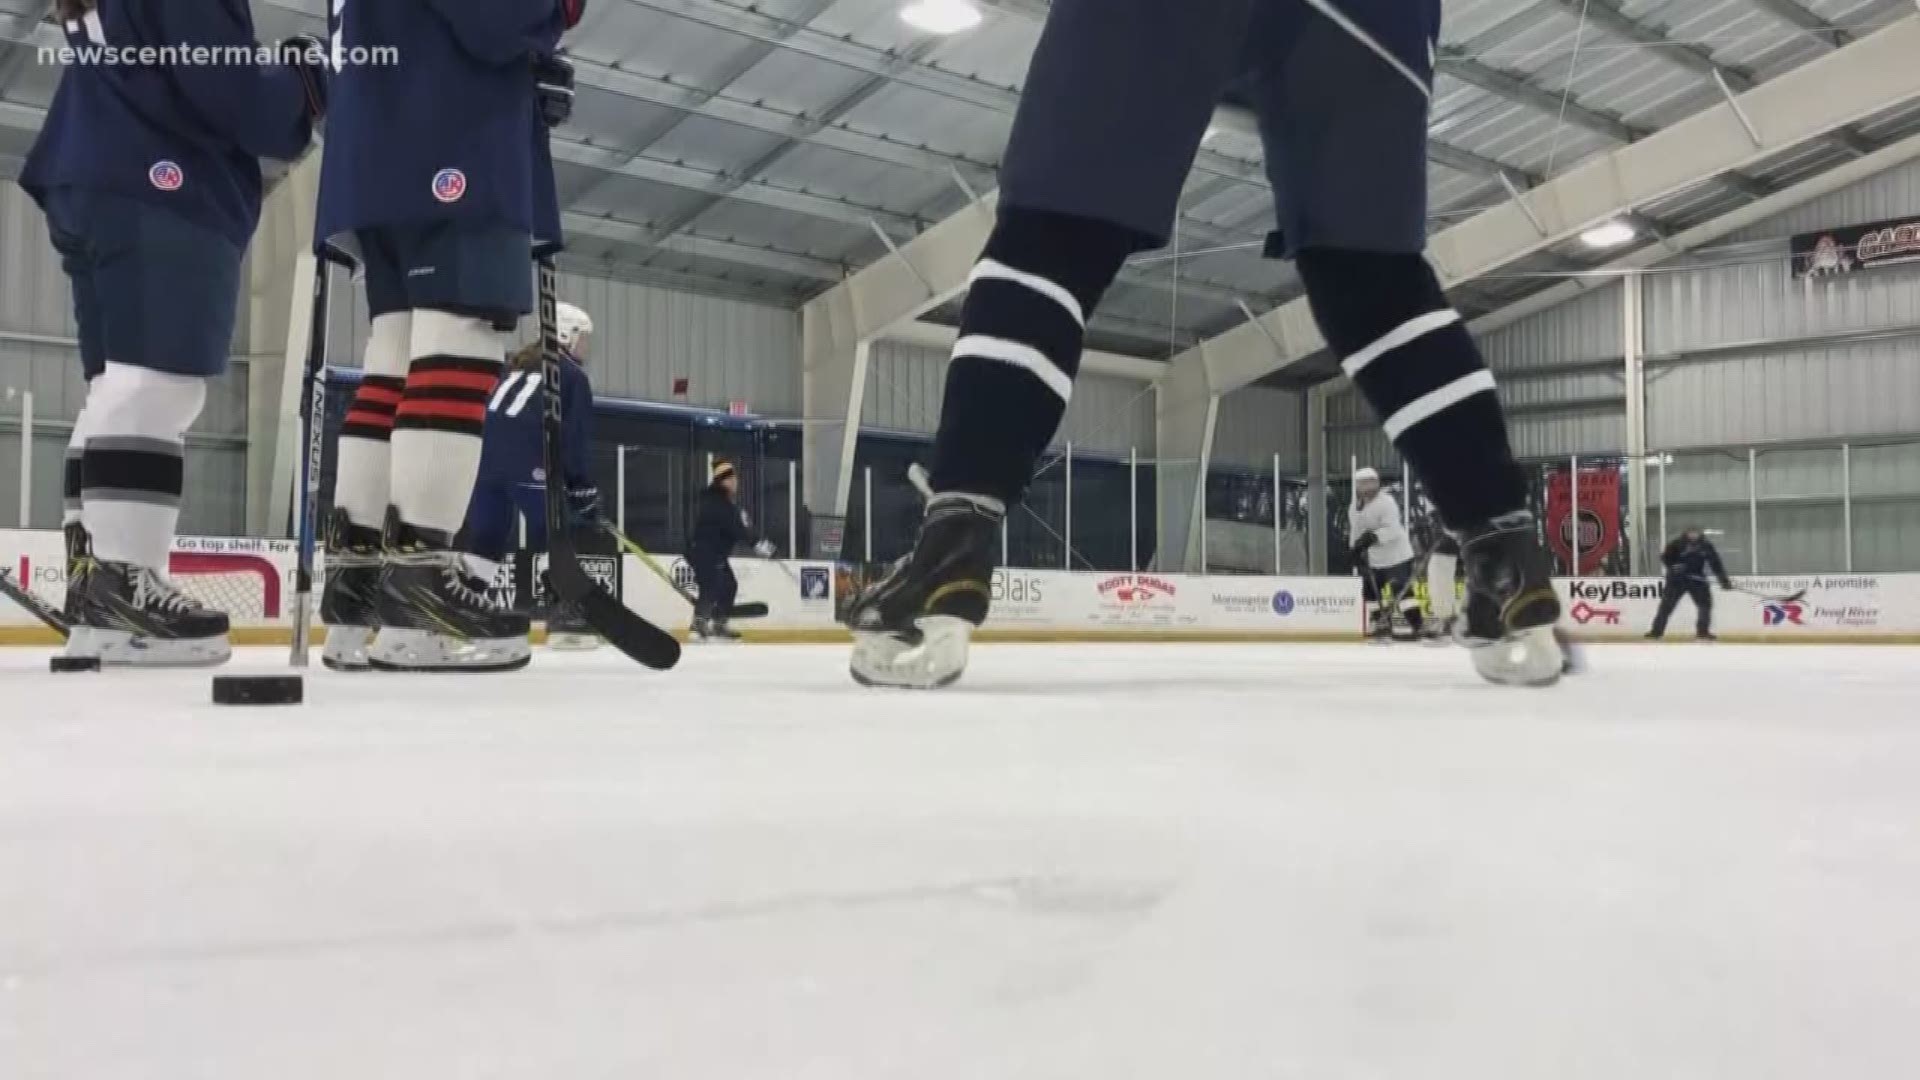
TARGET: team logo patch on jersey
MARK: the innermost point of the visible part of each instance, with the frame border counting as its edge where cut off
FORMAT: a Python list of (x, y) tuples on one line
[(449, 185), (167, 176)]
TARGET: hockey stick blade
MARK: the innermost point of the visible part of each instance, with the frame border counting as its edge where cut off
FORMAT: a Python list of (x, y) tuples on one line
[(738, 611), (624, 630), (1790, 598), (619, 625), (35, 606)]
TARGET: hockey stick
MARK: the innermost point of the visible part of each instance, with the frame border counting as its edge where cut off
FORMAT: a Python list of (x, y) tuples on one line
[(1771, 598), (614, 621), (1790, 598), (738, 611), (35, 606), (314, 386)]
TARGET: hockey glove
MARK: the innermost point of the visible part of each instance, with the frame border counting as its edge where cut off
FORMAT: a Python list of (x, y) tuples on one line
[(572, 11), (1363, 545), (583, 504), (764, 549), (553, 78), (307, 56)]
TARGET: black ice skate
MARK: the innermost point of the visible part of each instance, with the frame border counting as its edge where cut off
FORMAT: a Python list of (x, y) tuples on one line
[(567, 630), (130, 615), (712, 631), (1512, 611), (349, 603), (912, 629), (434, 617), (79, 561)]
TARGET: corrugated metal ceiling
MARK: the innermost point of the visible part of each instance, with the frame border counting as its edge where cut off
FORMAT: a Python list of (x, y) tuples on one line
[(751, 147)]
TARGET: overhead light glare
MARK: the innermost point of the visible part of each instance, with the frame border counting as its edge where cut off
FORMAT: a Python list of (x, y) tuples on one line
[(941, 16), (1610, 235)]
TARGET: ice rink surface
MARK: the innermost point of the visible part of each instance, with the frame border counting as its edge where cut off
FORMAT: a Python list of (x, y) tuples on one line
[(1087, 862)]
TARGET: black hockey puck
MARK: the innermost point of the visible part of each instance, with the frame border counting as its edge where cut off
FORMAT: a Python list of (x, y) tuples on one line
[(258, 690), (61, 664)]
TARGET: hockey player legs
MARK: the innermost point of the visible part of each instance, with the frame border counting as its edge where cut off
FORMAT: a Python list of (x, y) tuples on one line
[(438, 181), (1117, 100), (150, 180), (396, 595), (155, 298), (363, 474), (430, 616)]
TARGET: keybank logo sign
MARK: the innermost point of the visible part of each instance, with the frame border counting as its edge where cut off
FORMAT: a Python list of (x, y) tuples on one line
[(1602, 591)]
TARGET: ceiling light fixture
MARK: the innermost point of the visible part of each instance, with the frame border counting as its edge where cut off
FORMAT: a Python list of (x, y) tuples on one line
[(1610, 235), (941, 16)]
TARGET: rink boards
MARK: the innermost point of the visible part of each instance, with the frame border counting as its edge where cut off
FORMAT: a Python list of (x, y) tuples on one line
[(1051, 605)]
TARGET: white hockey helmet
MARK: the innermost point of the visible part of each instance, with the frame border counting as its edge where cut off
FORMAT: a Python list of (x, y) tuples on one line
[(574, 326), (1366, 484)]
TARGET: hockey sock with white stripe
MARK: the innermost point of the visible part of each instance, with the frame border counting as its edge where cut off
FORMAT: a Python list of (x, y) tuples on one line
[(1411, 357), (1021, 332), (133, 470)]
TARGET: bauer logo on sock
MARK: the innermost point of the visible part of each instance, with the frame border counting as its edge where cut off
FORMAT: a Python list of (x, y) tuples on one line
[(449, 185), (167, 176)]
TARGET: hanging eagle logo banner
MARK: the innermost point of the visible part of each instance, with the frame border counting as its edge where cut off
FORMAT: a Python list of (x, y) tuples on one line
[(1596, 527), (1856, 247)]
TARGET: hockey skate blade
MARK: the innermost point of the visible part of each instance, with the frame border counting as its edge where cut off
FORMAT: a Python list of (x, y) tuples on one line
[(346, 648), (122, 648), (1530, 658), (403, 650), (934, 658), (1574, 654), (563, 641)]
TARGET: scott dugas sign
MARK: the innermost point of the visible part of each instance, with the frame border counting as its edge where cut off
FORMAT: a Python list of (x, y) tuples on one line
[(1856, 247)]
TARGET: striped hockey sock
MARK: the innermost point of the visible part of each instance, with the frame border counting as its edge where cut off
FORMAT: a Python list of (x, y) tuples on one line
[(133, 470), (1021, 332), (438, 426), (1411, 357), (362, 476)]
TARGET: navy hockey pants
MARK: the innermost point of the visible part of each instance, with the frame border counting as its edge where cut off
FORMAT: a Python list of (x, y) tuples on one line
[(150, 288), (718, 586), (479, 271), (1120, 94)]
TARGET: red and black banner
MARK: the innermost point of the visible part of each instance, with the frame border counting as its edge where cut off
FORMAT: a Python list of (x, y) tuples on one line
[(1597, 525), (1856, 247)]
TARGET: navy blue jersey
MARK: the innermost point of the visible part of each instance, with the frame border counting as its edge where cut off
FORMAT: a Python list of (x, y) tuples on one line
[(186, 135), (513, 448), (449, 133), (1693, 558), (719, 527)]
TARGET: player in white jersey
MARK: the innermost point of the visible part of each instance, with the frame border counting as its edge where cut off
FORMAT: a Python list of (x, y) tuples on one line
[(1384, 552)]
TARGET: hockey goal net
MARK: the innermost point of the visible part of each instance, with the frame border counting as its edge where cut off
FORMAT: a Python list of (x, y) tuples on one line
[(246, 587)]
